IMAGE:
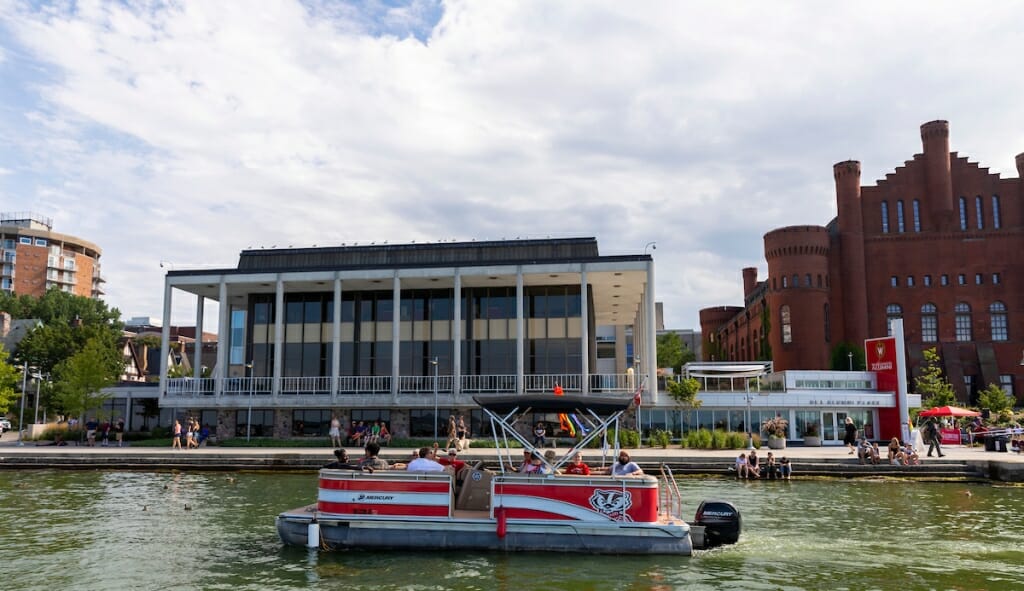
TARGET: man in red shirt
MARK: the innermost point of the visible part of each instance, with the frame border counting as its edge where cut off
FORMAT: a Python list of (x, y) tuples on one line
[(452, 460), (577, 466)]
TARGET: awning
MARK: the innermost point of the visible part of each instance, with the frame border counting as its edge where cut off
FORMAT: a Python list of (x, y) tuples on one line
[(601, 405)]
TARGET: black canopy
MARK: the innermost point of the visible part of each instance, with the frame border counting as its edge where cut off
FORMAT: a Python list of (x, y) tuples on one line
[(601, 405)]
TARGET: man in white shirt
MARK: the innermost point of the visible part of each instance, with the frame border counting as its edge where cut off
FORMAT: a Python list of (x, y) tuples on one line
[(425, 462)]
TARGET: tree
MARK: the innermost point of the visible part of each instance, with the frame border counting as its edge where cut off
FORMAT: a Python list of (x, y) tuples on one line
[(8, 380), (81, 378), (672, 352), (840, 360), (934, 389), (684, 391), (150, 410), (994, 399)]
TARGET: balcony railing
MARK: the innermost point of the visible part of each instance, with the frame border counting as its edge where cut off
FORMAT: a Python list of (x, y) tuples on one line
[(320, 386)]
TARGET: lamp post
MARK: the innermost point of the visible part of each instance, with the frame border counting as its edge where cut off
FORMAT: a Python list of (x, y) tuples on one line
[(651, 245), (434, 363), (850, 357), (750, 432), (39, 382), (24, 386), (252, 390)]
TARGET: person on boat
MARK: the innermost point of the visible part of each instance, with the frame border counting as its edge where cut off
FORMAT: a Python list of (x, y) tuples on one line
[(526, 463), (537, 465), (335, 431), (370, 460), (577, 466), (342, 462), (851, 435), (425, 462), (625, 466), (539, 434), (452, 460)]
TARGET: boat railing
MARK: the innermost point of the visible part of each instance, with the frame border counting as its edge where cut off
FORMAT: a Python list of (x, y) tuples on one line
[(671, 499)]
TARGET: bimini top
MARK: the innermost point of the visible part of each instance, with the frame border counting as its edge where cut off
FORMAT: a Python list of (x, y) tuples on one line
[(550, 403)]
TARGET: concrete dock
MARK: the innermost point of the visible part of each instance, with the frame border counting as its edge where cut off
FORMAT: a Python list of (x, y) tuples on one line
[(959, 463)]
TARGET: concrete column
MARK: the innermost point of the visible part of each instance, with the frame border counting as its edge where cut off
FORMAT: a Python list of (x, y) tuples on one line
[(278, 336), (651, 335), (520, 334), (336, 340), (223, 334), (396, 333), (457, 335), (165, 337), (584, 334), (197, 355)]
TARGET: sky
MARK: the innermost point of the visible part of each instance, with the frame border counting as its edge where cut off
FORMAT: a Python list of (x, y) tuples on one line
[(186, 132)]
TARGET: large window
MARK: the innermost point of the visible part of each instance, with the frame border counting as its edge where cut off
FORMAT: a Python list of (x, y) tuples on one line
[(996, 221), (262, 422), (238, 337), (962, 319), (421, 422), (997, 321), (1006, 383), (311, 422), (929, 323), (787, 327), (900, 226), (892, 312), (917, 215), (885, 217), (979, 212), (963, 213)]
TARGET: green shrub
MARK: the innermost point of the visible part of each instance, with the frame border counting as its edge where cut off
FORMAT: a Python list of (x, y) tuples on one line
[(660, 438), (719, 439), (737, 440)]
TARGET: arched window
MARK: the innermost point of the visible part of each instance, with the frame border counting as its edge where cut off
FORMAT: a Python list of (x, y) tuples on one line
[(785, 282), (807, 280), (900, 227), (787, 327), (979, 212), (963, 213), (796, 280), (819, 280), (962, 322), (892, 312), (929, 323), (997, 321), (885, 217), (917, 215), (996, 223)]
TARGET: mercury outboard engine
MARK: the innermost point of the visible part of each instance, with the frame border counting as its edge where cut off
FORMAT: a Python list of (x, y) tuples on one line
[(721, 521)]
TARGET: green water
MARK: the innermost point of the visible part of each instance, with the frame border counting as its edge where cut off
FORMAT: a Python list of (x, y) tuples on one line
[(135, 530)]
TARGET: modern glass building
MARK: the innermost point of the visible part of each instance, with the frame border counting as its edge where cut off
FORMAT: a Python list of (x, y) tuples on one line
[(391, 332)]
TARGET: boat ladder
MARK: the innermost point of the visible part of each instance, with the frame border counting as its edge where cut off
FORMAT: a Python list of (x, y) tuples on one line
[(671, 500)]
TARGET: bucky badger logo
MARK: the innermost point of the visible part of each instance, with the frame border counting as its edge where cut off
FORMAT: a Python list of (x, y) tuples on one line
[(612, 503)]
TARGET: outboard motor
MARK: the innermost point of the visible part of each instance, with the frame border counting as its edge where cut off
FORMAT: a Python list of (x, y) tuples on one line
[(721, 521)]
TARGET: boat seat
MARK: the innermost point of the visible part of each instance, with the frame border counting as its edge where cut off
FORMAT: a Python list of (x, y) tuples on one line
[(475, 494)]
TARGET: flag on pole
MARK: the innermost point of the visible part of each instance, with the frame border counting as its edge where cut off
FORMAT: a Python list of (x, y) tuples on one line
[(637, 398)]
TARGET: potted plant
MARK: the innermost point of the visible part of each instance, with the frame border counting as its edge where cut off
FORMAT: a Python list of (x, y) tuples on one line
[(812, 438), (776, 427)]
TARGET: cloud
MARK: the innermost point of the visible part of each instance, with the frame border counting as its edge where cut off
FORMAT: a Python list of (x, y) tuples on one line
[(189, 131)]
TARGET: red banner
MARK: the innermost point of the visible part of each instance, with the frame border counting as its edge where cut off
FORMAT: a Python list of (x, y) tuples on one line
[(880, 357)]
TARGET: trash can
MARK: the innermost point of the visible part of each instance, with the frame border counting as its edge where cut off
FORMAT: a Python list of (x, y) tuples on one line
[(990, 443), (1002, 443)]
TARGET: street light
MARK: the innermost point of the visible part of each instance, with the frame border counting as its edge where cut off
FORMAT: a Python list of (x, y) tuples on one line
[(252, 390), (434, 363), (24, 386), (651, 245), (39, 382), (750, 433), (850, 357)]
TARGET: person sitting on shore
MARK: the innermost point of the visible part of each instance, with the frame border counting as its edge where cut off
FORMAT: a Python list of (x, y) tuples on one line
[(385, 435), (864, 451), (910, 456), (771, 468), (876, 455), (785, 469), (753, 467), (894, 451), (741, 466)]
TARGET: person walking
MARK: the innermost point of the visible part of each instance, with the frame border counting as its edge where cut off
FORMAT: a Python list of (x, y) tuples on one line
[(335, 432), (176, 435), (851, 435), (934, 437)]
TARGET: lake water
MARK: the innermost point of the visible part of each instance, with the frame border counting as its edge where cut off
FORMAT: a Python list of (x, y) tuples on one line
[(138, 530)]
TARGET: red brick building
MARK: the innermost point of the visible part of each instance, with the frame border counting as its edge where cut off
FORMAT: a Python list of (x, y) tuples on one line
[(939, 242)]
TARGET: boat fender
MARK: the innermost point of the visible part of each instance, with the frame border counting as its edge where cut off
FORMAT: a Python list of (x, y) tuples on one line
[(502, 522), (313, 535)]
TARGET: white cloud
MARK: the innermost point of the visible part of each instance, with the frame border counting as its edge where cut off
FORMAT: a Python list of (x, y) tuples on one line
[(190, 131)]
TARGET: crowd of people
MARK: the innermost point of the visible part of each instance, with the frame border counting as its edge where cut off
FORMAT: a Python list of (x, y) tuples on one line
[(749, 466)]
